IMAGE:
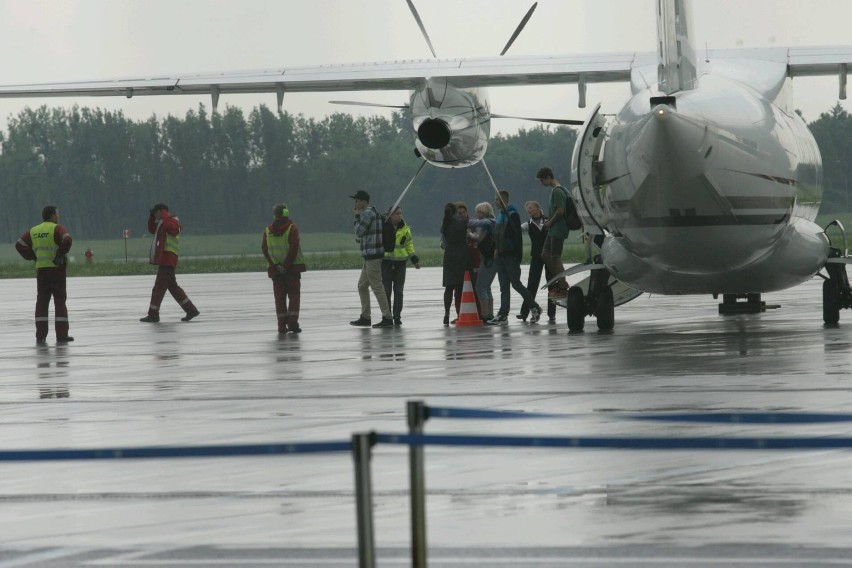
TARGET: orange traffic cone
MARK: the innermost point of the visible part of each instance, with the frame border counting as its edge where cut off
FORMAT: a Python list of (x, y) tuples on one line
[(468, 314)]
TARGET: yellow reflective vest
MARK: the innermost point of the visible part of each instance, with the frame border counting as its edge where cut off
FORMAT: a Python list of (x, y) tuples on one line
[(279, 247), (44, 245)]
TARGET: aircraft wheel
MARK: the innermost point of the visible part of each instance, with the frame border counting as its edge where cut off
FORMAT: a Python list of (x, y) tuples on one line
[(576, 305), (606, 309), (830, 302)]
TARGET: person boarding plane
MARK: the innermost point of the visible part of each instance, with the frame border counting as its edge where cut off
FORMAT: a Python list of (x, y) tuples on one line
[(705, 182)]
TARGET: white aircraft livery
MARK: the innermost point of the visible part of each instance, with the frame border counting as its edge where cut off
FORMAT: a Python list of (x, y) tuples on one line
[(705, 182)]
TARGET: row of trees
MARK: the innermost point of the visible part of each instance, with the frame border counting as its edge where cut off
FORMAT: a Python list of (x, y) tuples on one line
[(223, 172)]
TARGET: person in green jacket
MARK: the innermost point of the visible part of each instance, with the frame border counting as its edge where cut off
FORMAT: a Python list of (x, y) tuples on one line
[(394, 263)]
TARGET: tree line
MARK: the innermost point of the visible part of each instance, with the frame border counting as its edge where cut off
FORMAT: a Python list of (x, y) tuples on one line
[(222, 172)]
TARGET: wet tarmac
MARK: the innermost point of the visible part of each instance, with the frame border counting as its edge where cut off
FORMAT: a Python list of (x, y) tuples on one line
[(227, 378)]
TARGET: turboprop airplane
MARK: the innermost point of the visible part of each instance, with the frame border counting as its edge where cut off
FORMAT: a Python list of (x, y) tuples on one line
[(705, 182)]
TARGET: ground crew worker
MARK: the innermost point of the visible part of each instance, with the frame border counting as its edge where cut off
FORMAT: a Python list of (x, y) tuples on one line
[(283, 252), (47, 244), (164, 253)]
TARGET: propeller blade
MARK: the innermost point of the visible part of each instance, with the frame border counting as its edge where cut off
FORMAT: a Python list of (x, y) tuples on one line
[(548, 120), (519, 29), (422, 28), (359, 103)]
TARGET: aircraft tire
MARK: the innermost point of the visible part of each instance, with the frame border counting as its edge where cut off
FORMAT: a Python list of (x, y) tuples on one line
[(606, 309), (576, 305), (830, 302)]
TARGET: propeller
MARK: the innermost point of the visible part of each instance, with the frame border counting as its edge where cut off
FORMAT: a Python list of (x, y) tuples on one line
[(359, 103), (548, 120), (518, 30), (422, 27)]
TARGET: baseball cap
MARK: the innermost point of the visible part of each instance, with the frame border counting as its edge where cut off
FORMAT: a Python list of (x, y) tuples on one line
[(361, 194)]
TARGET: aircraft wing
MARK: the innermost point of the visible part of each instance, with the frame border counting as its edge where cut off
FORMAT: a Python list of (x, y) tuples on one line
[(407, 75), (397, 75)]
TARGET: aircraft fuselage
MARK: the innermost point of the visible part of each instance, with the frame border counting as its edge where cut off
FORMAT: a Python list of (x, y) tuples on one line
[(713, 189)]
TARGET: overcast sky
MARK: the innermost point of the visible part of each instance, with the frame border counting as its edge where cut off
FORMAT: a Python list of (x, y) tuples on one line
[(59, 40)]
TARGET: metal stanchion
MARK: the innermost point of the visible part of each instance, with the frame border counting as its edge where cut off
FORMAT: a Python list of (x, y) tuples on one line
[(362, 446), (416, 411)]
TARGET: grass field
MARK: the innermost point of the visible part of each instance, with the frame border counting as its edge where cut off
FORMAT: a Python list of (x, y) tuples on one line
[(222, 253)]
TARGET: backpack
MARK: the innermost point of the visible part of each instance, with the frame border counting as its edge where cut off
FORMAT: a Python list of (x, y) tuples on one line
[(572, 218), (388, 233)]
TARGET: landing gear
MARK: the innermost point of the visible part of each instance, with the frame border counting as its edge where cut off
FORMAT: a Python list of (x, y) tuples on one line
[(576, 305), (830, 302), (599, 302), (836, 293)]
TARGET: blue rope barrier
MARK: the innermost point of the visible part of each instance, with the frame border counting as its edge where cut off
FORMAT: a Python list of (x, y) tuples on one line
[(479, 414), (624, 443), (750, 417), (707, 417), (176, 451)]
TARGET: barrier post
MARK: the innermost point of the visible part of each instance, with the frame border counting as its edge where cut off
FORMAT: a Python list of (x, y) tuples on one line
[(416, 412), (362, 446)]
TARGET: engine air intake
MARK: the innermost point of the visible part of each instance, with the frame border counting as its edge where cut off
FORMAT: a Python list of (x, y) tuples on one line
[(434, 133)]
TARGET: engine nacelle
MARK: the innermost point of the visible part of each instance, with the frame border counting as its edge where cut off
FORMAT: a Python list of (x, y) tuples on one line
[(452, 124)]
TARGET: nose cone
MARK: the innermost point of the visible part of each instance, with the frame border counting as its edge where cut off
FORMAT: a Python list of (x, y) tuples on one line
[(434, 133)]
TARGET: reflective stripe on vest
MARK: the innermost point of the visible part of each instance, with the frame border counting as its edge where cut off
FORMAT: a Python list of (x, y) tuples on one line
[(44, 246), (279, 247)]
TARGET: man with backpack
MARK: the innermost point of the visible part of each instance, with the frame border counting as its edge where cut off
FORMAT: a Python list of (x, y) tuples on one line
[(563, 216), (368, 231)]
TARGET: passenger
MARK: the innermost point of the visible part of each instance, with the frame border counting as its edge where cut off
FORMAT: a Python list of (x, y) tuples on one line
[(394, 263), (457, 257), (283, 252), (482, 230), (48, 244), (510, 251), (164, 253), (534, 227), (368, 231), (557, 230)]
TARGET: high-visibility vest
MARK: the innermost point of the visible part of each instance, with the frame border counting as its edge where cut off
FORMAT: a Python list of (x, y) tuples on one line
[(172, 243), (279, 247), (44, 246)]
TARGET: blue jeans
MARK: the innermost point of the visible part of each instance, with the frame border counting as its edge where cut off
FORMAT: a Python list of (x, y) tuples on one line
[(509, 273)]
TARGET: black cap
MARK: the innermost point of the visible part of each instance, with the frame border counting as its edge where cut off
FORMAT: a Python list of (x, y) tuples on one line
[(158, 207), (361, 194)]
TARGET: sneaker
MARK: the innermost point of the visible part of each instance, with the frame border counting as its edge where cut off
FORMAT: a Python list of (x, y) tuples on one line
[(397, 321), (386, 322), (551, 320), (296, 329), (535, 314), (499, 319), (65, 339), (446, 320), (41, 341), (520, 317), (190, 315), (361, 322), (150, 319)]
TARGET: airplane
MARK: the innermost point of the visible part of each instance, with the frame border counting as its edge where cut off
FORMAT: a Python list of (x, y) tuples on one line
[(705, 182)]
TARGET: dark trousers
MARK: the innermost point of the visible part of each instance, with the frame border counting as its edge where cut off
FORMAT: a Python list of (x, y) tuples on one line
[(288, 293), (166, 281), (509, 276), (393, 280), (533, 280), (50, 283)]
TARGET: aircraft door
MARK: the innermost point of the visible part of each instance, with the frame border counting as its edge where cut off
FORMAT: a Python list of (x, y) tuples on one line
[(587, 193)]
